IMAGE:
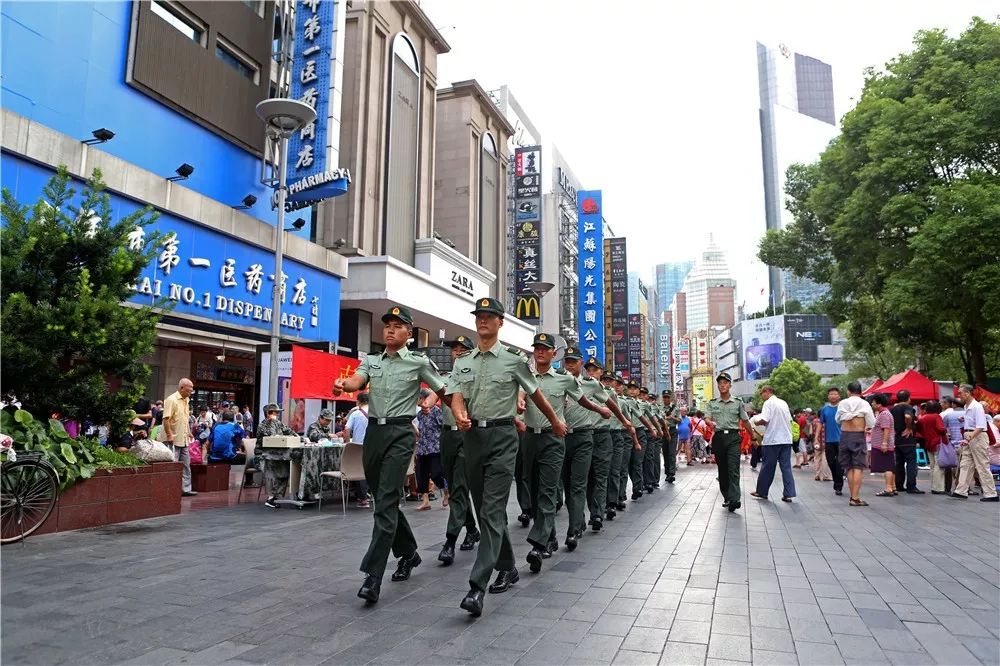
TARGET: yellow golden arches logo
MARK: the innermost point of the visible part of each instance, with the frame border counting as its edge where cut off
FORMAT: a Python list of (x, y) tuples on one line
[(527, 307), (395, 311), (485, 302)]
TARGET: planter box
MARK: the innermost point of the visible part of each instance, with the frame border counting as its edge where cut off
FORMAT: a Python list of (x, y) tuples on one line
[(116, 496), (210, 478)]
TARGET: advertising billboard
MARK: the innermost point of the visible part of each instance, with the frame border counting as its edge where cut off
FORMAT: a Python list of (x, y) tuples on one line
[(591, 272), (313, 151), (763, 346), (682, 362), (701, 387), (804, 333), (664, 376), (635, 347), (527, 232)]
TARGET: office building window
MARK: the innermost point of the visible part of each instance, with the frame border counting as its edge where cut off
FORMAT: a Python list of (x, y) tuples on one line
[(489, 233), (240, 62), (179, 19), (400, 222)]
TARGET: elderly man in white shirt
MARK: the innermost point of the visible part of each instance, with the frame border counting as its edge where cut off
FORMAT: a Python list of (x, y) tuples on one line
[(975, 455), (855, 416), (776, 448)]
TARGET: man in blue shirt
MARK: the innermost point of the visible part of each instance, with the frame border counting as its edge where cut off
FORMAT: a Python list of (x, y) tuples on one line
[(226, 439), (830, 435)]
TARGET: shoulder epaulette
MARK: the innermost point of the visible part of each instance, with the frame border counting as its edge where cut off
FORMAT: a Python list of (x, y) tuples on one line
[(418, 354), (515, 351), (561, 371)]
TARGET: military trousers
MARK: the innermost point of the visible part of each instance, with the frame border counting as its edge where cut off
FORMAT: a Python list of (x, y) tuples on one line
[(650, 461), (575, 470), (460, 510), (618, 438), (726, 449), (626, 465), (543, 461), (635, 468), (600, 467), (670, 455), (386, 456), (489, 467), (520, 481)]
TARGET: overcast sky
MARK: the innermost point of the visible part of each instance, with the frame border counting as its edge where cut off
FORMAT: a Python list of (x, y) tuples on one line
[(656, 103)]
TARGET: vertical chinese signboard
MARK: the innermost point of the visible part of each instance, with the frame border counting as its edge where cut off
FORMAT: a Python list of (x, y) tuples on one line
[(527, 231), (635, 335), (591, 272), (682, 363), (618, 290), (313, 151), (664, 380)]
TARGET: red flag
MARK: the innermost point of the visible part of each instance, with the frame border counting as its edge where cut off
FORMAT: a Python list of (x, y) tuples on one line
[(990, 400), (313, 373)]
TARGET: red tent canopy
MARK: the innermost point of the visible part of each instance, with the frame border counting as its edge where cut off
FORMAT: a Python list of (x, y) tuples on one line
[(921, 388), (873, 388)]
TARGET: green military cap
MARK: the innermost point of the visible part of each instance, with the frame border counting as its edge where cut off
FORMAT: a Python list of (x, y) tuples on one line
[(400, 313), (666, 393), (618, 379), (607, 376), (543, 340), (572, 354), (592, 361), (328, 414), (489, 305), (462, 341), (272, 407), (723, 376), (643, 390), (632, 384)]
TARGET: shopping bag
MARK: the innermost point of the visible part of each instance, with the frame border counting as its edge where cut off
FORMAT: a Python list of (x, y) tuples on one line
[(946, 457)]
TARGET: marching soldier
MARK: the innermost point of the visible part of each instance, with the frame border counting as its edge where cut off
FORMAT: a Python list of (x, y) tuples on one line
[(545, 454), (725, 414), (661, 425), (460, 512), (393, 379), (672, 416), (624, 451), (643, 429), (484, 388), (650, 479), (275, 461)]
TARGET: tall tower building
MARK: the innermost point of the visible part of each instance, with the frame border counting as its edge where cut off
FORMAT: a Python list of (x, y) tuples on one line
[(797, 122), (669, 280), (709, 292)]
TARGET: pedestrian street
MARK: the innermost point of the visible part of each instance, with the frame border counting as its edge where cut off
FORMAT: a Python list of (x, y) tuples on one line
[(674, 579)]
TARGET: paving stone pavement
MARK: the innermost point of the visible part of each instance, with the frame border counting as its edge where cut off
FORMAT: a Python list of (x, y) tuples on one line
[(676, 579)]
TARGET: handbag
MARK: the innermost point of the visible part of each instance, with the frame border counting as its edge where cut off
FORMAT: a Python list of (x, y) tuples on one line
[(946, 456)]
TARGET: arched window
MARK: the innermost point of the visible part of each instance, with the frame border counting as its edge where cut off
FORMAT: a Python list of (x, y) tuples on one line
[(489, 232), (400, 223)]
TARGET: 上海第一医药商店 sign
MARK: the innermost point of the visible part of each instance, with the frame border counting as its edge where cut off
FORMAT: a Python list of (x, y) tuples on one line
[(312, 174)]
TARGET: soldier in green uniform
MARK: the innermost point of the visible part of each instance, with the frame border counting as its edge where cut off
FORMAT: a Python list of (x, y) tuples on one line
[(484, 388), (643, 430), (520, 482), (616, 434), (600, 462), (393, 379), (661, 426), (725, 413), (545, 454), (460, 512), (275, 461), (671, 416), (651, 459), (622, 441)]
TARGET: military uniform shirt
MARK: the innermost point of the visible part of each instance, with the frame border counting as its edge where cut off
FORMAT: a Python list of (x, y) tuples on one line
[(557, 387), (448, 415), (637, 412), (316, 431), (726, 414), (273, 428), (578, 416), (615, 423), (489, 380), (394, 381)]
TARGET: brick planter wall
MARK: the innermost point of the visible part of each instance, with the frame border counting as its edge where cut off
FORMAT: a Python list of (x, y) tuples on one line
[(117, 496)]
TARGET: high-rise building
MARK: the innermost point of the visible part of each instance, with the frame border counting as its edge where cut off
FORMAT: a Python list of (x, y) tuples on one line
[(709, 293), (669, 280), (797, 122)]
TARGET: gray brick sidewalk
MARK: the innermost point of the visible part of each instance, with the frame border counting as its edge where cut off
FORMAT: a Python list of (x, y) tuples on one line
[(675, 580)]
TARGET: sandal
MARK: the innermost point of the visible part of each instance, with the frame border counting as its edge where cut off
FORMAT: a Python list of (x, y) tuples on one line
[(885, 493), (760, 497), (816, 478), (857, 502)]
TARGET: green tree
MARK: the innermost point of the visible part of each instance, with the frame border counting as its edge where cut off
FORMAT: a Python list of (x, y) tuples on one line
[(66, 335), (795, 383), (900, 214)]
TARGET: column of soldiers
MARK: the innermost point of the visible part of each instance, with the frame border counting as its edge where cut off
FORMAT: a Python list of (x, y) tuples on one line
[(572, 433)]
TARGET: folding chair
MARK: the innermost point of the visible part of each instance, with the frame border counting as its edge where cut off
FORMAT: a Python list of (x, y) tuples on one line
[(351, 469)]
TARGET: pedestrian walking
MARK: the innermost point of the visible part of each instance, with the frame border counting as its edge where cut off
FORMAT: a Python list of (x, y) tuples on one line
[(854, 415), (484, 387), (829, 435), (176, 417), (393, 379), (684, 433), (883, 445), (954, 420), (975, 449), (776, 447), (460, 512), (427, 467), (724, 414), (904, 418), (672, 417)]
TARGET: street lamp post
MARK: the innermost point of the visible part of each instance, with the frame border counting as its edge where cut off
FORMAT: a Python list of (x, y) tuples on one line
[(539, 289), (282, 117)]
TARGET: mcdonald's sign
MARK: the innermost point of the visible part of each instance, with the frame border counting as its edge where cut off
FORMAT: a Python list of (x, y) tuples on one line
[(528, 308)]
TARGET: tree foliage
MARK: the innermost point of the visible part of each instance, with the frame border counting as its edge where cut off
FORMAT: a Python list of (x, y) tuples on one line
[(66, 335), (900, 214), (795, 383)]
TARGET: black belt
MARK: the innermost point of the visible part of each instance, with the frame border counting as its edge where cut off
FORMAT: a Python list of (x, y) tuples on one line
[(574, 430), (607, 429), (454, 427), (728, 431), (391, 420), (491, 423), (539, 431)]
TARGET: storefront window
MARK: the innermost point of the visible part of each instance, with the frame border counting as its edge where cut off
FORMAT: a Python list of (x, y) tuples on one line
[(399, 227), (489, 168)]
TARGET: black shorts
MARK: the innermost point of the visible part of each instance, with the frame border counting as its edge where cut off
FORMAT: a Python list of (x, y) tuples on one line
[(853, 453)]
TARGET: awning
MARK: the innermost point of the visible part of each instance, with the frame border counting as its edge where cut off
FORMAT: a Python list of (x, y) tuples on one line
[(921, 388)]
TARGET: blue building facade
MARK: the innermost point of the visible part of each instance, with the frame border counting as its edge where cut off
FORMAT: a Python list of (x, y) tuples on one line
[(66, 69)]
